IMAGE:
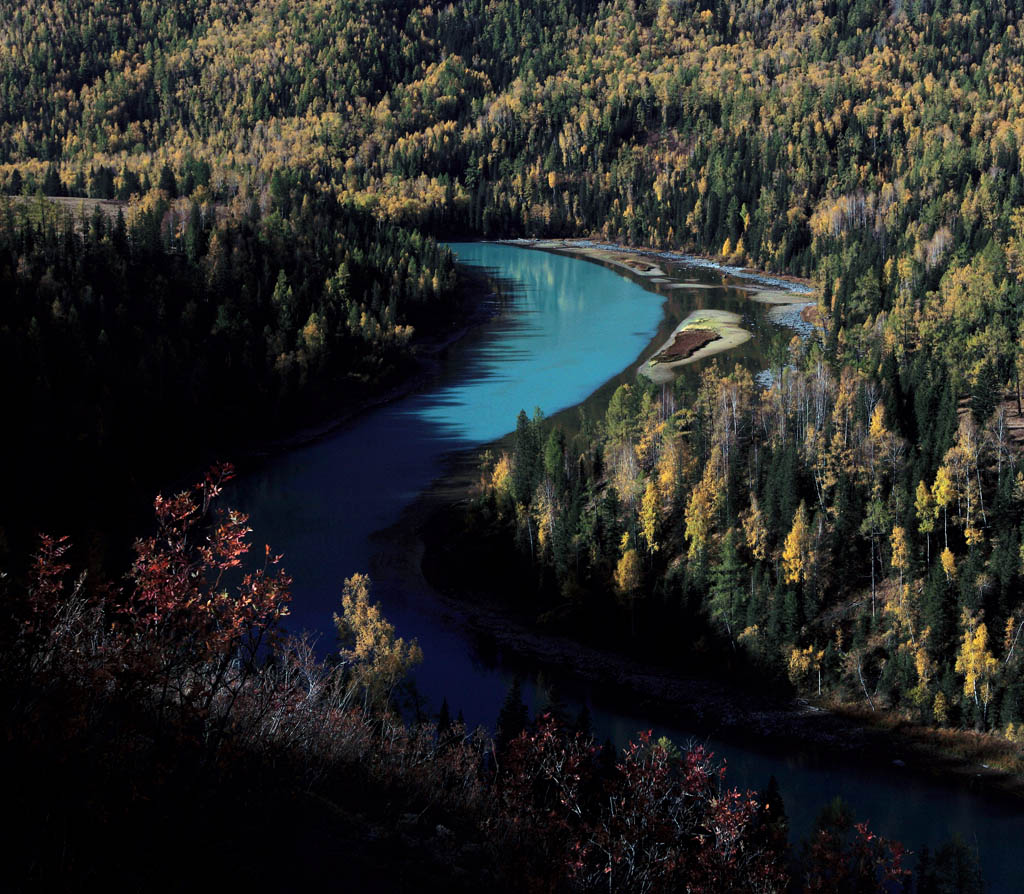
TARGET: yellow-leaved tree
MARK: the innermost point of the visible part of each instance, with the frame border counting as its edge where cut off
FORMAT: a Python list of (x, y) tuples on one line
[(650, 515), (943, 491), (629, 578), (900, 551), (377, 661), (976, 662), (755, 530), (927, 512), (877, 433), (501, 476), (948, 563), (704, 503), (901, 562), (925, 667), (670, 468), (796, 552), (501, 485), (803, 662)]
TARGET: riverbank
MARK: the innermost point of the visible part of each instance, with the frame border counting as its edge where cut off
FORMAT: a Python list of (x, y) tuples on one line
[(706, 705), (736, 714), (772, 288), (475, 288)]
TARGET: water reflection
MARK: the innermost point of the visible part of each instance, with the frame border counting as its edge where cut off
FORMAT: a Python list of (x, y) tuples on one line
[(560, 331), (556, 337)]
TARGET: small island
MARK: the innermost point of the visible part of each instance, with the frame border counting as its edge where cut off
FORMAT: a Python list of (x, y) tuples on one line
[(702, 334), (686, 342)]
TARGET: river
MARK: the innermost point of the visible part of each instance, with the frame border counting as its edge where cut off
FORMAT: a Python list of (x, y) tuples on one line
[(562, 330)]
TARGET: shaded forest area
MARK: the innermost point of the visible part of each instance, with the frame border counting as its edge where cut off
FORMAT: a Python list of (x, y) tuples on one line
[(165, 729), (144, 347)]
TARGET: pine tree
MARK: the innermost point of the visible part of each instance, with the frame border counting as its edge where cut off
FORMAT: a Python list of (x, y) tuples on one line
[(444, 719), (526, 457), (728, 596), (168, 184), (513, 718)]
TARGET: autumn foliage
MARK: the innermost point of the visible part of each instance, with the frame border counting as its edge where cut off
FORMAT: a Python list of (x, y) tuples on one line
[(142, 721), (655, 820), (846, 857), (164, 706)]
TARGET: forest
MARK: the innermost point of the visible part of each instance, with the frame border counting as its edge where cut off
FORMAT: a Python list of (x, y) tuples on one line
[(220, 222), (796, 529), (253, 320), (162, 721)]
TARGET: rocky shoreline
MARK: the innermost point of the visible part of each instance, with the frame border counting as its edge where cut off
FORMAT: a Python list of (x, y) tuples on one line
[(774, 288)]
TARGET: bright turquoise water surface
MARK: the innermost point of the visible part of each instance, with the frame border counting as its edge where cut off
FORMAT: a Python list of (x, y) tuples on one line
[(569, 327), (563, 330), (573, 326)]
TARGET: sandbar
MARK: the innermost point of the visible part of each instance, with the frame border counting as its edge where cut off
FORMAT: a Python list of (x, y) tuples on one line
[(632, 260), (773, 296), (725, 327)]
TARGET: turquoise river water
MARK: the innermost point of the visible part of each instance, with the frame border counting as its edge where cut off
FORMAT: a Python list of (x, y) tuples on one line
[(563, 330)]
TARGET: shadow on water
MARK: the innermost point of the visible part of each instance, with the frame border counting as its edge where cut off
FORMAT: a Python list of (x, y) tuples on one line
[(564, 332), (917, 811)]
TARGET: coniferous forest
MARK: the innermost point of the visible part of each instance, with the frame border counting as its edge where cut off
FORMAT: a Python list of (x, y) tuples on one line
[(221, 223)]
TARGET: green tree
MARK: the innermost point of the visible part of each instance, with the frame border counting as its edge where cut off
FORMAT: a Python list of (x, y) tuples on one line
[(514, 716), (728, 598), (168, 183)]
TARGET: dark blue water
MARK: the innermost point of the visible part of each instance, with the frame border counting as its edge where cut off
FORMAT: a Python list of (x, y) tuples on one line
[(564, 330), (568, 327)]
